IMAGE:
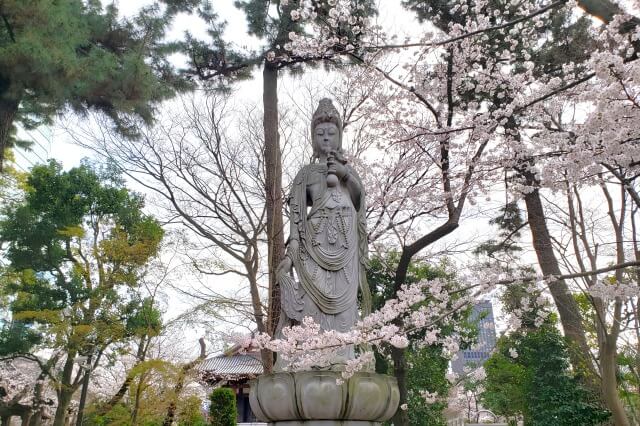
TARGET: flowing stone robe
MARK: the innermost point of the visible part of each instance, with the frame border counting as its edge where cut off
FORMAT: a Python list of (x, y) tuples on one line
[(331, 259)]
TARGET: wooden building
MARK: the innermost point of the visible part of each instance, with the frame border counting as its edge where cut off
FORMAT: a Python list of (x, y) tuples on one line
[(233, 369)]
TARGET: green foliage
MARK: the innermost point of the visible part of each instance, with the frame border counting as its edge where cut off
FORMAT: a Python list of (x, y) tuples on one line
[(17, 337), (504, 386), (119, 415), (77, 244), (143, 319), (538, 382), (510, 223), (190, 413), (76, 54), (381, 276), (151, 390), (629, 377), (223, 410), (427, 366), (512, 298), (222, 61), (427, 369)]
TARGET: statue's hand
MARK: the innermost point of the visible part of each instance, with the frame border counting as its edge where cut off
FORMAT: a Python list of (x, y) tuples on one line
[(337, 155), (284, 267), (341, 170)]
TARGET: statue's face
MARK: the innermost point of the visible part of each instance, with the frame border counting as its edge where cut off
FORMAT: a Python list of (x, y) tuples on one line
[(326, 138)]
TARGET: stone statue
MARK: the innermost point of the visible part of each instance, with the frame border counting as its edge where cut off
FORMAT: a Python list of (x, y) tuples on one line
[(327, 243), (328, 249)]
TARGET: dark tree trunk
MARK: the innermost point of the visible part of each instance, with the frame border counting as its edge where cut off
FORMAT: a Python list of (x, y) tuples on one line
[(117, 397), (119, 394), (608, 368), (273, 191), (65, 392), (38, 401), (8, 112), (24, 419), (401, 418), (604, 10), (136, 403), (83, 395), (567, 306), (36, 418), (64, 400)]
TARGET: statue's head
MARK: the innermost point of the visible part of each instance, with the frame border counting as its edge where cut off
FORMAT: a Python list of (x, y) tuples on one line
[(326, 129)]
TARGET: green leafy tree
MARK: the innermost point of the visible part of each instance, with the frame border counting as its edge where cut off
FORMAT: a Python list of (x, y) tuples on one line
[(504, 392), (151, 392), (223, 408), (427, 369), (529, 375), (17, 337), (75, 54), (77, 245)]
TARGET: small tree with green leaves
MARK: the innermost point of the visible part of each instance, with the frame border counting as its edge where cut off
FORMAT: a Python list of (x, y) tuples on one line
[(223, 408), (77, 245), (529, 375), (504, 390), (190, 413)]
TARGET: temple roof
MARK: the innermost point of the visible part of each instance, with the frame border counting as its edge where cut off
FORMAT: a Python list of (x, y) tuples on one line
[(232, 365)]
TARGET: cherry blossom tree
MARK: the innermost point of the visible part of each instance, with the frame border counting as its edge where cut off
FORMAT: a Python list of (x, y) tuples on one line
[(23, 390), (495, 84)]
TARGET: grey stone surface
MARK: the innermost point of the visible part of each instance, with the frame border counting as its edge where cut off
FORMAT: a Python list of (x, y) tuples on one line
[(327, 245), (327, 248), (317, 395), (325, 423)]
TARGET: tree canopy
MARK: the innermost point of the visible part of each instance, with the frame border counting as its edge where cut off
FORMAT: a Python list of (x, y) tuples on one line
[(529, 375), (77, 55), (77, 245)]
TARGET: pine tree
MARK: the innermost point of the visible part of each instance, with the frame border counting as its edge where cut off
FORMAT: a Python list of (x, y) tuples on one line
[(75, 55)]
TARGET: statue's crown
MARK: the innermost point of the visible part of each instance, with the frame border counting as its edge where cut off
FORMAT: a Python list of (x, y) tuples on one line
[(326, 113)]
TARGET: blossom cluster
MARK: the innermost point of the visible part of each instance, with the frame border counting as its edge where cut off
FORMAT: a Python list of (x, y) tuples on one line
[(17, 381), (331, 25), (424, 306), (417, 316)]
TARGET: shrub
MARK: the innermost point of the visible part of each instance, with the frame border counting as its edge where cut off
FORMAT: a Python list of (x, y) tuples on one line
[(223, 408)]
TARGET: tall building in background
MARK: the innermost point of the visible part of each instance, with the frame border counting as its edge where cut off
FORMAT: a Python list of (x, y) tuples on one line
[(481, 351)]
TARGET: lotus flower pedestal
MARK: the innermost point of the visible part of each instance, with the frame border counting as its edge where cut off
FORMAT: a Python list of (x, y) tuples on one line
[(314, 398)]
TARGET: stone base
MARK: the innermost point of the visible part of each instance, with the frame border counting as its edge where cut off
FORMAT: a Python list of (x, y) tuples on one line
[(325, 423), (322, 398)]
